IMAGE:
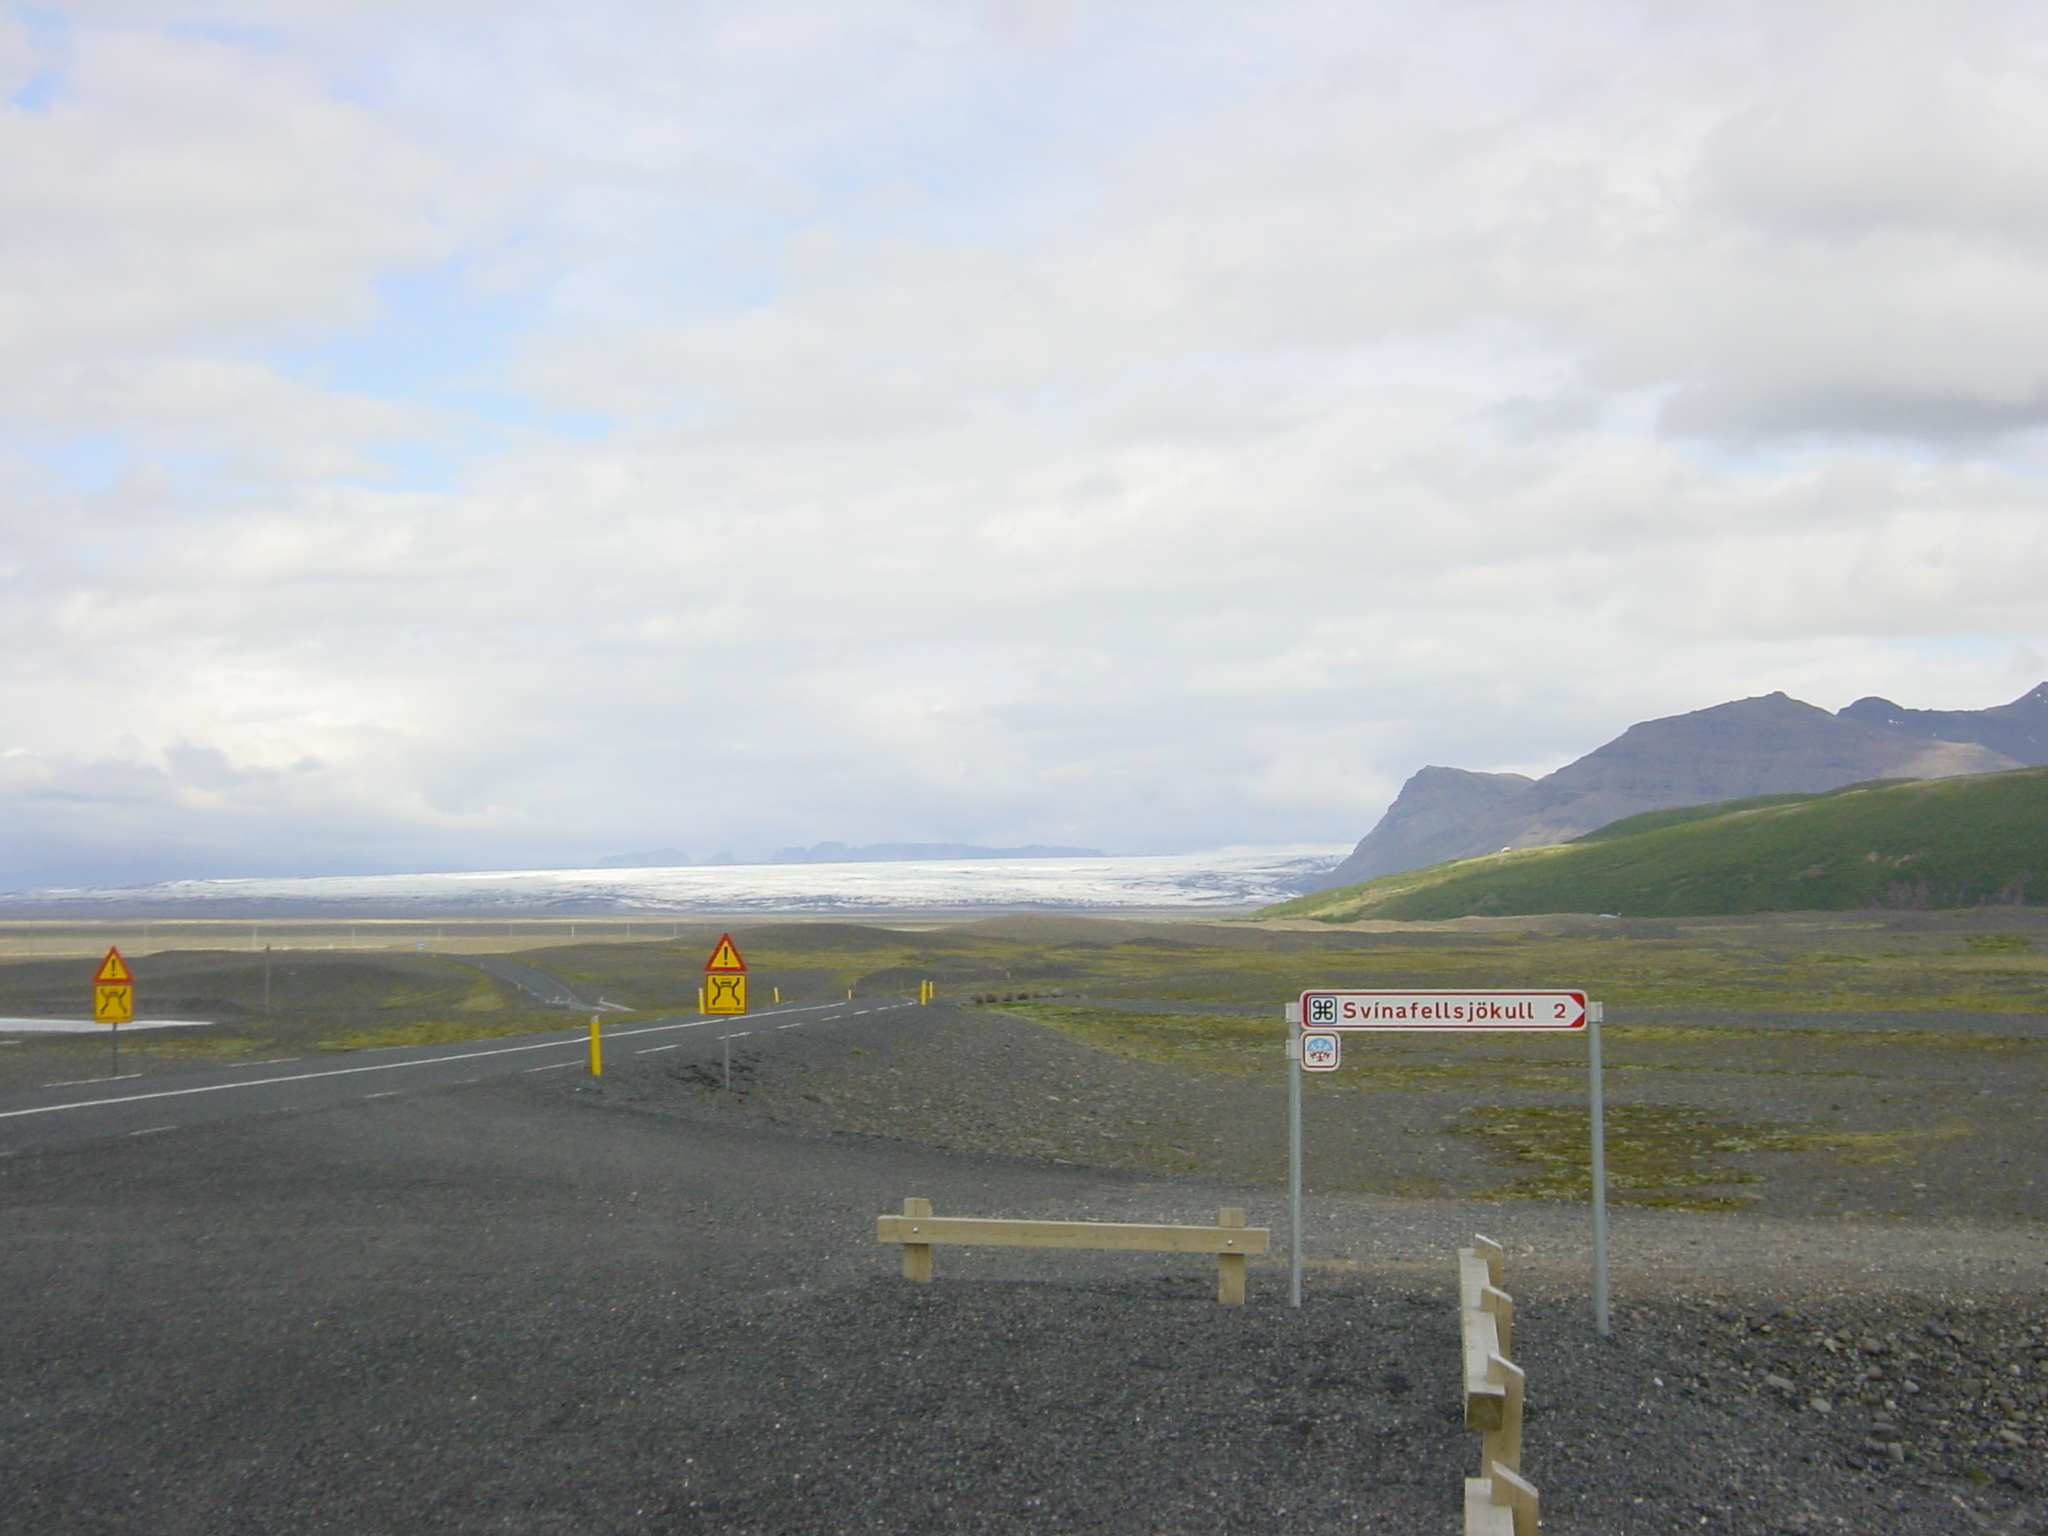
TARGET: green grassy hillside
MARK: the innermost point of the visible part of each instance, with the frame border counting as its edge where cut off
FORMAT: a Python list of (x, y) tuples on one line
[(1923, 843)]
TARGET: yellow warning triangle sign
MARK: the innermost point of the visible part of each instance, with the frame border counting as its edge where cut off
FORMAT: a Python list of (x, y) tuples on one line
[(726, 957), (112, 969)]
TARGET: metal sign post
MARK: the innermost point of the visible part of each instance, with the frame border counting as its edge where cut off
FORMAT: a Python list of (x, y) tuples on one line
[(1294, 1169), (1596, 1095), (1314, 1043)]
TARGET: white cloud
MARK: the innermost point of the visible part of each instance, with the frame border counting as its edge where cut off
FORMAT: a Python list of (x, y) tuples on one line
[(1148, 426), (176, 191)]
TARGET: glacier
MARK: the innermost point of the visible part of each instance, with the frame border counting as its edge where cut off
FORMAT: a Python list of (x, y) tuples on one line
[(1225, 880)]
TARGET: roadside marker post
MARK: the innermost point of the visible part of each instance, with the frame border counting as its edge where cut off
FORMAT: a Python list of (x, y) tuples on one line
[(113, 999), (596, 1049), (1317, 1022)]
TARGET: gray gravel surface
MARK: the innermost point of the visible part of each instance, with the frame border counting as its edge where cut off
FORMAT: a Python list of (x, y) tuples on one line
[(550, 1306)]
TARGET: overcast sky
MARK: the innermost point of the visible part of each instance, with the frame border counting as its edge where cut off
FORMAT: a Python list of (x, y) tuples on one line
[(444, 435)]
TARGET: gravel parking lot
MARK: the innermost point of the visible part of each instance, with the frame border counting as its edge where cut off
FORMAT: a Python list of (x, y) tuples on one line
[(647, 1306)]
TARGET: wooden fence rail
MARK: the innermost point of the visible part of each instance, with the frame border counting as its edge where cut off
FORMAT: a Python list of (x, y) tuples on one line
[(917, 1229), (1498, 1502)]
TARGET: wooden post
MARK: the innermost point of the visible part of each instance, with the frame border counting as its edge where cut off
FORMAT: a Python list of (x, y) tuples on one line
[(1500, 1504), (1230, 1266), (1520, 1496), (1502, 1307), (917, 1257), (1496, 1258), (1502, 1446)]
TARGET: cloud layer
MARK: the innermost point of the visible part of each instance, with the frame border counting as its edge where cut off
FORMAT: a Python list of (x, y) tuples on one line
[(450, 435)]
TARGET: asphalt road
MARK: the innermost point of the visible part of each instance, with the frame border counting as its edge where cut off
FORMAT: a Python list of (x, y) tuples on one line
[(71, 1114)]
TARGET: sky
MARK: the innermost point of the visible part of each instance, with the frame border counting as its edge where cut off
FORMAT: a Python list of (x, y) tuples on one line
[(454, 435)]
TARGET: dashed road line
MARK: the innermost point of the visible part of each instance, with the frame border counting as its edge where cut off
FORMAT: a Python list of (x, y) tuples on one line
[(555, 1066), (81, 1082), (152, 1130)]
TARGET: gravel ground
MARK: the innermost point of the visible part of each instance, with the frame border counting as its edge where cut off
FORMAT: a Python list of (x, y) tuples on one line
[(1912, 1132), (643, 1305)]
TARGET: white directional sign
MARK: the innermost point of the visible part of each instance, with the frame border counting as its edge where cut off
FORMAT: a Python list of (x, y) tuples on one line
[(1350, 1009)]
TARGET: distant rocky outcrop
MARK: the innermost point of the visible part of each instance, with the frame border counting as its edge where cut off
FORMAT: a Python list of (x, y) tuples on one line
[(1438, 809), (1764, 746)]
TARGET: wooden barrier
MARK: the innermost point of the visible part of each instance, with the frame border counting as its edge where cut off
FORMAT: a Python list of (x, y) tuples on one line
[(917, 1229), (1498, 1502)]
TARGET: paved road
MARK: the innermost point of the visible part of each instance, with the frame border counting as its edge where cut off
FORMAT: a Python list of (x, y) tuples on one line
[(537, 984), (71, 1114)]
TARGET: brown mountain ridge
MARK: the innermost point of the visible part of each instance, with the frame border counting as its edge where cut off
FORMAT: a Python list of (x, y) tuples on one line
[(1773, 745)]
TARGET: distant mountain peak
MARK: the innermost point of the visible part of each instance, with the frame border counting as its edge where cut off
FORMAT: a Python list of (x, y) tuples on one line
[(1769, 744), (2019, 730)]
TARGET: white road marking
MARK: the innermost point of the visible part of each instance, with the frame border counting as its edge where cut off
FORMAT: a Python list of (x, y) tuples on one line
[(268, 1061), (557, 1066), (649, 1050), (576, 1039), (152, 1130), (388, 1093), (80, 1082)]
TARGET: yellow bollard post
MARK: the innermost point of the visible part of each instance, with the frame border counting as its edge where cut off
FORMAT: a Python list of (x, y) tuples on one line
[(778, 993), (596, 1050), (700, 1000)]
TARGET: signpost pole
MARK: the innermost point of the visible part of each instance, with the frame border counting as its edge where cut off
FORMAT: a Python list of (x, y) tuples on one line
[(1294, 1169), (1598, 1097), (1339, 1009)]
